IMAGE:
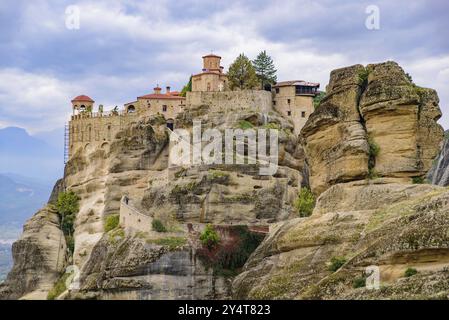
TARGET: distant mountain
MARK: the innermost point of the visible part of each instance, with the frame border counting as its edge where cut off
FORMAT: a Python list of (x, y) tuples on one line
[(54, 138), (20, 198), (29, 156)]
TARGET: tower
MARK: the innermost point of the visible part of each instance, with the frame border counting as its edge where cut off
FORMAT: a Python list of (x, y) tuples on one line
[(82, 103), (211, 63)]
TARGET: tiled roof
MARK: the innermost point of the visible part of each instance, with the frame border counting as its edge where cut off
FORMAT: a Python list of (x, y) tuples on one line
[(296, 83), (162, 96), (82, 98)]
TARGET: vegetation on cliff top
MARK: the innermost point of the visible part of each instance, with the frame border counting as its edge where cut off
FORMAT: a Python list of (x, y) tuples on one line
[(242, 74), (265, 69)]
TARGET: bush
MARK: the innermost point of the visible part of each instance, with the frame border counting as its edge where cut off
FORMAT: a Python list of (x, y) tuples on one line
[(244, 124), (318, 98), (67, 206), (410, 272), (111, 222), (359, 282), (209, 238), (59, 287), (158, 226), (67, 203), (336, 263), (418, 180), (172, 243), (305, 202)]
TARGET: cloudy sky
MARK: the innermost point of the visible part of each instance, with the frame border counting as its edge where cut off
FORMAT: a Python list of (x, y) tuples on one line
[(122, 49)]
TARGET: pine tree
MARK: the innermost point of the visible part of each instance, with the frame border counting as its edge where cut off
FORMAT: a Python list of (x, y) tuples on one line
[(265, 69), (242, 74), (187, 88)]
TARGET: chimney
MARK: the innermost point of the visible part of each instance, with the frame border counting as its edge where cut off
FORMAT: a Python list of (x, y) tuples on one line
[(167, 89), (157, 90)]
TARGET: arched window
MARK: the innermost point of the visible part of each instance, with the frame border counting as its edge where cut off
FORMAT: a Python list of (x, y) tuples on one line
[(131, 109), (82, 108)]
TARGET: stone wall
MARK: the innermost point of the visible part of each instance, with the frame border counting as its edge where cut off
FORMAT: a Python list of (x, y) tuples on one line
[(91, 132), (294, 107), (132, 220), (232, 101)]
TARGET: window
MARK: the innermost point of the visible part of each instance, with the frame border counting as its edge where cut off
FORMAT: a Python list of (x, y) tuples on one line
[(289, 113), (303, 114), (288, 101), (164, 108), (277, 90), (274, 102)]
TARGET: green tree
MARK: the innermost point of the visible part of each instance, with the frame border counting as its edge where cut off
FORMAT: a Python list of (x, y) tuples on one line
[(187, 88), (242, 74), (305, 202), (67, 207), (209, 238), (265, 69)]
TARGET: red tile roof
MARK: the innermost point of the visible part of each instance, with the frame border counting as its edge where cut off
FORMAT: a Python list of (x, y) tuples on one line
[(296, 83), (161, 96), (82, 98)]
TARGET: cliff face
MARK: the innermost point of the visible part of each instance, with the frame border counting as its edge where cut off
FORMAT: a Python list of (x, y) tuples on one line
[(130, 262), (439, 174), (39, 258), (373, 122), (373, 135)]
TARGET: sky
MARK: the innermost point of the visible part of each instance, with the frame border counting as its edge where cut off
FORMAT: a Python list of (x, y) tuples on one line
[(122, 49)]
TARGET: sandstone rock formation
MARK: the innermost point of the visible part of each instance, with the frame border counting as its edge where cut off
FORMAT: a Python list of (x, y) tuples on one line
[(439, 174), (390, 226), (123, 263), (39, 258), (372, 136), (373, 122)]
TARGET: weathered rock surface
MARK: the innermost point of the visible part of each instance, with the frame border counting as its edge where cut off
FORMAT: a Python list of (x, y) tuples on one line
[(373, 123), (391, 226), (439, 174), (39, 258), (334, 138)]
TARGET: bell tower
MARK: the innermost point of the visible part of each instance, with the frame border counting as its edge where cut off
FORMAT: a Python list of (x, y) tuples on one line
[(82, 103)]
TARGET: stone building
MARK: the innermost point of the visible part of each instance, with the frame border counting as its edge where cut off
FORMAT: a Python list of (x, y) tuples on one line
[(89, 130), (212, 77), (294, 100), (169, 104)]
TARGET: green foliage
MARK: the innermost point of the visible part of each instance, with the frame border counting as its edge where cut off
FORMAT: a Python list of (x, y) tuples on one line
[(265, 70), (410, 272), (67, 206), (187, 88), (67, 203), (158, 226), (318, 98), (409, 77), (229, 259), (305, 202), (59, 287), (359, 282), (171, 242), (209, 237), (336, 263), (374, 150), (418, 180), (245, 124), (70, 242), (111, 222), (363, 77), (242, 74)]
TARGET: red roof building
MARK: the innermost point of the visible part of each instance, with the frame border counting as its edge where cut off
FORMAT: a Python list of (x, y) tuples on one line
[(83, 98)]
